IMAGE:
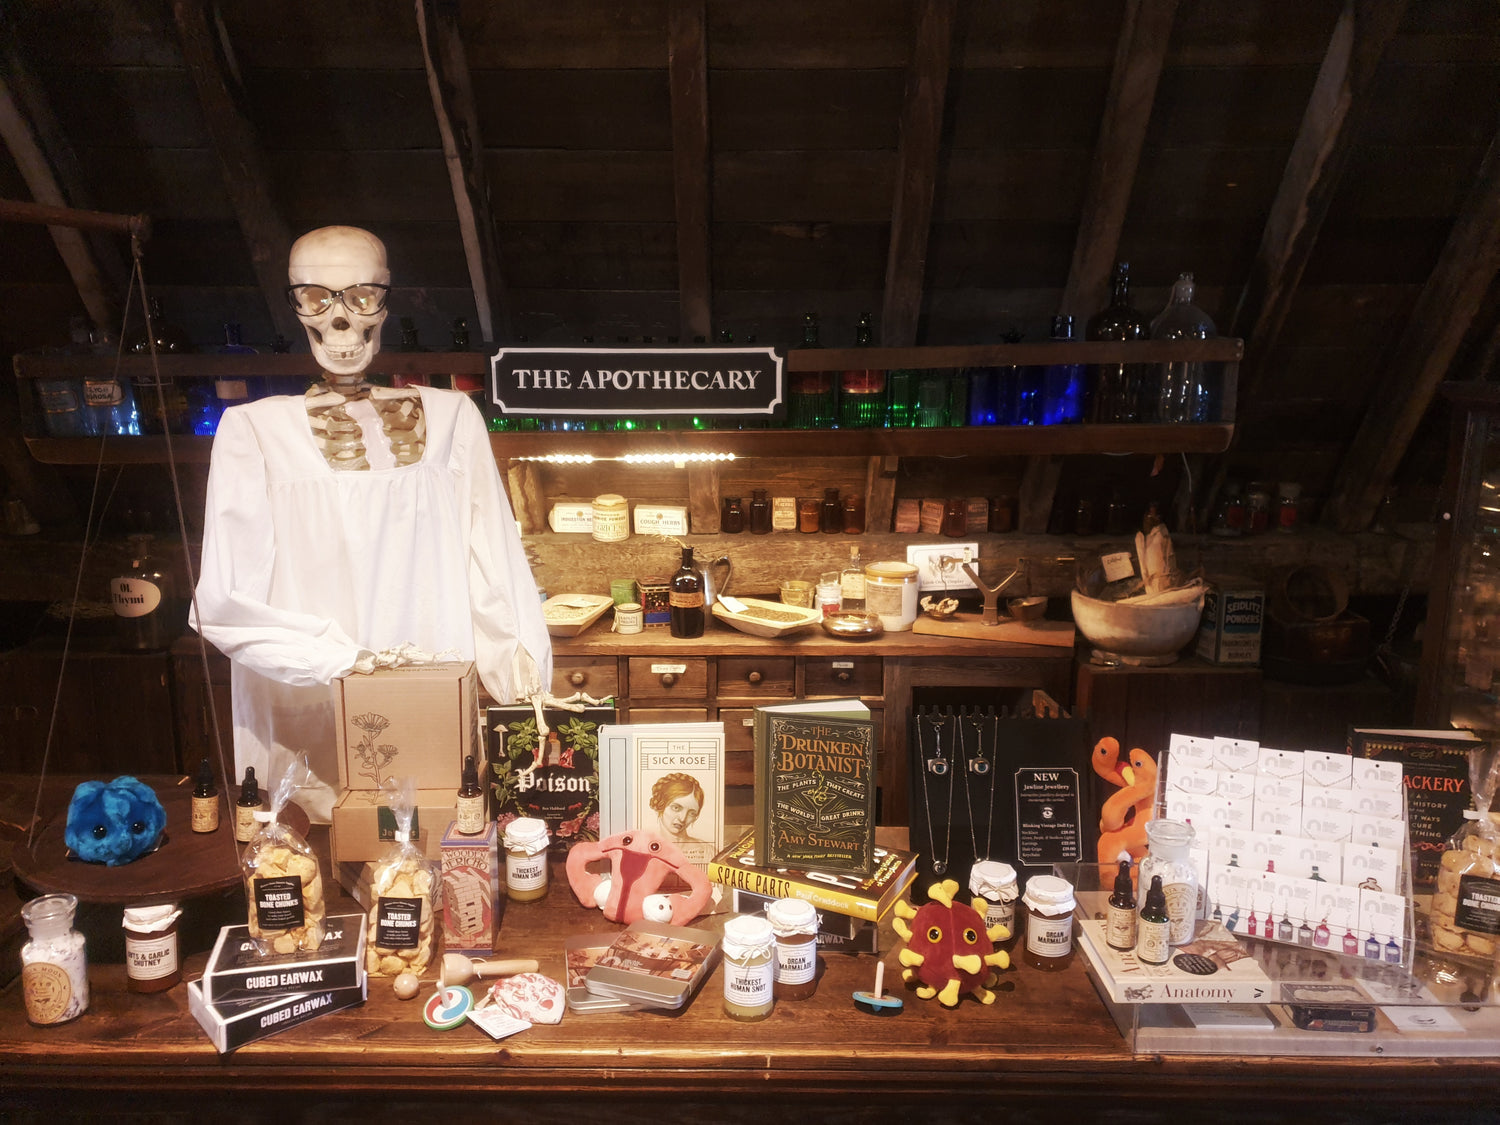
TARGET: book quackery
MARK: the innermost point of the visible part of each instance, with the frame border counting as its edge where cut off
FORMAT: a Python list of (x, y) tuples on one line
[(815, 786)]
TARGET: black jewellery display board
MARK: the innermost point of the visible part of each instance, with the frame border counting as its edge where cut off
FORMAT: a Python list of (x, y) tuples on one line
[(603, 383), (1001, 784)]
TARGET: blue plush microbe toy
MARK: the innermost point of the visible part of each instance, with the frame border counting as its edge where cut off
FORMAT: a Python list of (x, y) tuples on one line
[(114, 822)]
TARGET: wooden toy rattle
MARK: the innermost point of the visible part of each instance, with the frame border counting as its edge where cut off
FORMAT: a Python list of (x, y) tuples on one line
[(458, 969)]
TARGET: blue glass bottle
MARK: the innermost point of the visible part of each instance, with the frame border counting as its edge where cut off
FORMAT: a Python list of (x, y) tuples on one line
[(1063, 384)]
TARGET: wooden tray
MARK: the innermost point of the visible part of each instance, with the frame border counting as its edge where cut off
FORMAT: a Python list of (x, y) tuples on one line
[(567, 615), (1053, 634), (188, 864), (776, 623)]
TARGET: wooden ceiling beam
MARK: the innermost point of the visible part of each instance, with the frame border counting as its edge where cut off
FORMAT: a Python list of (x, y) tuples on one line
[(1313, 170), (916, 172), (25, 148), (452, 92), (247, 176), (1140, 52), (687, 76), (50, 151), (1440, 319)]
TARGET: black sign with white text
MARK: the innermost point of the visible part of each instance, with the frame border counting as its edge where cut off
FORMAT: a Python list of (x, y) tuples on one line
[(583, 382)]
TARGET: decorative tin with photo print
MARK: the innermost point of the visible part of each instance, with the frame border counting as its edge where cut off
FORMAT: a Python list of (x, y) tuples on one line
[(815, 786), (553, 778)]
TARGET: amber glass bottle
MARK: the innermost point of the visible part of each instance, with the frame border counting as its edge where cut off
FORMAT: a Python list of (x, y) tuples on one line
[(687, 598)]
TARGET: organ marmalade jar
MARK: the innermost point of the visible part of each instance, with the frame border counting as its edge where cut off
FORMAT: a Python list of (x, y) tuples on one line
[(795, 924), (1049, 923)]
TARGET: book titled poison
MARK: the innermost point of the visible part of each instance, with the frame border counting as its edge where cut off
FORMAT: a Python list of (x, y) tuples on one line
[(815, 786)]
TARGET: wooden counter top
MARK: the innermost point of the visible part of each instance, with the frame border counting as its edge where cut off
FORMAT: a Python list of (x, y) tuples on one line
[(1048, 1039), (719, 638)]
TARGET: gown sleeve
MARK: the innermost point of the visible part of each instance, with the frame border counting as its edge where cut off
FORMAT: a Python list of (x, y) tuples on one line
[(512, 647), (239, 550)]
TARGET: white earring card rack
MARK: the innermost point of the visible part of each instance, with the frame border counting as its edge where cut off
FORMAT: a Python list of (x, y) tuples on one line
[(1298, 848)]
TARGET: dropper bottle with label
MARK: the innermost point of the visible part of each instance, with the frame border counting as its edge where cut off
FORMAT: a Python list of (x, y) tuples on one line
[(246, 807), (470, 800), (1120, 926), (205, 815)]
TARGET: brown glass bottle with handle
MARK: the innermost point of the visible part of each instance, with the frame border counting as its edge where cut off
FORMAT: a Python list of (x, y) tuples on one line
[(686, 598)]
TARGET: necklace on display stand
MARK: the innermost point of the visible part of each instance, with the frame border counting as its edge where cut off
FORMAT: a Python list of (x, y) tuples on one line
[(982, 766), (938, 766)]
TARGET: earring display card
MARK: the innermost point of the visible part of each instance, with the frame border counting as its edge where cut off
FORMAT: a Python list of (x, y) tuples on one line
[(989, 784)]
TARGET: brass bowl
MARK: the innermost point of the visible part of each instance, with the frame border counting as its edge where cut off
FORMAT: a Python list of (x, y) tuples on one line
[(1027, 609), (853, 626)]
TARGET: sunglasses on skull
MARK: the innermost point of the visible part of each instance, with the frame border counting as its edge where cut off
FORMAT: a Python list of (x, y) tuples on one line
[(364, 299)]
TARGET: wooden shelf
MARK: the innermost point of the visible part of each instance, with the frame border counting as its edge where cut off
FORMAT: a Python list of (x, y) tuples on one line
[(962, 441), (965, 441), (996, 441), (60, 365)]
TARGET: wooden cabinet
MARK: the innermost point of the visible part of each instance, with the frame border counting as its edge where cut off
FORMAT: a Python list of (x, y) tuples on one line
[(114, 710), (724, 675)]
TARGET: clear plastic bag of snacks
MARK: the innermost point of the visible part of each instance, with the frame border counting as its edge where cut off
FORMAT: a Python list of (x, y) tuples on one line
[(401, 925), (1465, 914), (283, 882)]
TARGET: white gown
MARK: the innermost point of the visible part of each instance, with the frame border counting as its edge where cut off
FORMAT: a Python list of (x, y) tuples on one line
[(305, 568)]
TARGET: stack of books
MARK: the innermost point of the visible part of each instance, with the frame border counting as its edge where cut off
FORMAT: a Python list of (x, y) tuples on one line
[(243, 996), (850, 907)]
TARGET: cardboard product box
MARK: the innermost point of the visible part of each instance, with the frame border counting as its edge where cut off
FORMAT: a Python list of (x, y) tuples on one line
[(418, 721), (660, 519), (471, 890), (554, 779), (1233, 618), (364, 828), (570, 516), (236, 972), (232, 1024)]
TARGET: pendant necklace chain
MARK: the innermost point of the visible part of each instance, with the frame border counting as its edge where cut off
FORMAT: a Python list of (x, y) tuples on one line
[(939, 766), (980, 765)]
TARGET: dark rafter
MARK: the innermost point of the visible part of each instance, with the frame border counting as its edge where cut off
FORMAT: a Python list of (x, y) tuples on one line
[(458, 123), (1139, 53), (687, 65), (916, 172), (50, 167), (247, 178), (1441, 318), (1312, 174)]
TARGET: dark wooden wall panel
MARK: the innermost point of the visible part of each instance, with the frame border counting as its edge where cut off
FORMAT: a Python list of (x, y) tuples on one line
[(804, 109), (792, 255), (858, 34), (1025, 108)]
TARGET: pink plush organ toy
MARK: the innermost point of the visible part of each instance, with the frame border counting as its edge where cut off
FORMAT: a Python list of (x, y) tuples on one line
[(639, 863)]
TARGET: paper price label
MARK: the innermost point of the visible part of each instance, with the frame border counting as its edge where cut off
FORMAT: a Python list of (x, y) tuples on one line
[(1117, 565)]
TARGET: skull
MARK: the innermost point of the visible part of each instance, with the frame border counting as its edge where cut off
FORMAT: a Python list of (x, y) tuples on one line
[(343, 341)]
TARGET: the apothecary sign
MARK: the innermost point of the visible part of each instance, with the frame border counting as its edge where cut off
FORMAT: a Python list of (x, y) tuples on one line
[(576, 382)]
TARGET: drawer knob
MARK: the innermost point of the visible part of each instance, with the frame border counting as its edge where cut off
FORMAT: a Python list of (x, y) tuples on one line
[(755, 677), (842, 677), (668, 679), (577, 679)]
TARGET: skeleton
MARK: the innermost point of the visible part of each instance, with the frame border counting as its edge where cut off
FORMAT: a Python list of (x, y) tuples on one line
[(338, 281)]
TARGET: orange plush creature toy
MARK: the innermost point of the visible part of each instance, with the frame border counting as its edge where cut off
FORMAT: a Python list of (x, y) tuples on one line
[(1122, 818)]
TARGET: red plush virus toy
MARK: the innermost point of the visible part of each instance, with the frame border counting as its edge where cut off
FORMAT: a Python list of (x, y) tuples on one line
[(948, 950)]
